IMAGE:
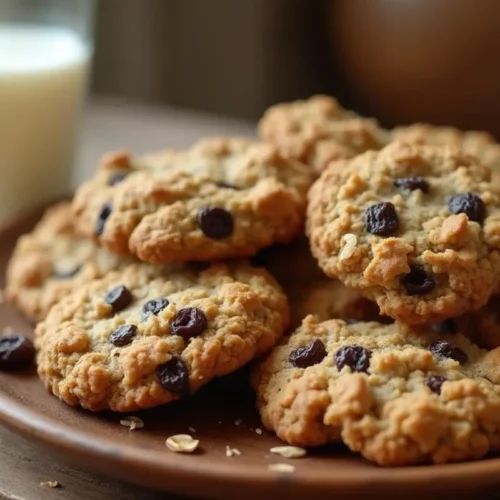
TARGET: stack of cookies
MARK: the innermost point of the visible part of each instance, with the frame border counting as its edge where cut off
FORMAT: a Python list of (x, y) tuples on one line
[(136, 283), (387, 296), (412, 225)]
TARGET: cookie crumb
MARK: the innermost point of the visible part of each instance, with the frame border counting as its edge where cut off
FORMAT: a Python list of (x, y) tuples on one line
[(238, 421), (132, 423), (191, 429), (182, 443), (350, 246), (289, 451), (50, 484), (231, 452), (258, 431), (281, 468)]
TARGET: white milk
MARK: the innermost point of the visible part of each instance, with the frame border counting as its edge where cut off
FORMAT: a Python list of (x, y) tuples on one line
[(43, 74)]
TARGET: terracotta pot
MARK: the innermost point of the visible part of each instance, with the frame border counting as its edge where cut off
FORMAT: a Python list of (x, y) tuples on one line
[(428, 60)]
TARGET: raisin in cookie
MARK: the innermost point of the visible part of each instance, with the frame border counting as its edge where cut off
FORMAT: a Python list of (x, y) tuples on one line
[(145, 336), (52, 261), (479, 144), (310, 291), (395, 395), (318, 130), (415, 228), (222, 198)]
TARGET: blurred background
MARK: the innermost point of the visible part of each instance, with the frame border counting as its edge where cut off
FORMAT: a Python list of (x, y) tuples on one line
[(398, 60), (159, 63)]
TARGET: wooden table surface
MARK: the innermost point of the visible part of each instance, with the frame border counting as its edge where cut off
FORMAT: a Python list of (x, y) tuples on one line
[(108, 125)]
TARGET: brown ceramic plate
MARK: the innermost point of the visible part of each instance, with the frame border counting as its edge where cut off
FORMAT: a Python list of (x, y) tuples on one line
[(99, 442)]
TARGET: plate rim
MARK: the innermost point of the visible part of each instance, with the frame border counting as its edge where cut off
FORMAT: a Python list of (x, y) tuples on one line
[(122, 461), (46, 430)]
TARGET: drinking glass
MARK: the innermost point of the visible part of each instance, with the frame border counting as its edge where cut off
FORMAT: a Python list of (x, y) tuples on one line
[(45, 53)]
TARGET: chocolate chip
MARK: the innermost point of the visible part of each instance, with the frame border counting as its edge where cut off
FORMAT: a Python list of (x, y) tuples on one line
[(16, 352), (227, 185), (355, 356), (412, 183), (188, 322), (123, 335), (434, 383), (469, 204), (174, 376), (60, 274), (116, 178), (215, 222), (102, 216), (308, 355), (446, 326), (418, 281), (381, 219), (153, 306), (119, 298), (445, 349)]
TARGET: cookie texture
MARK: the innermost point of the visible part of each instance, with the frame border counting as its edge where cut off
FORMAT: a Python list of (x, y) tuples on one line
[(145, 336), (396, 395), (222, 198), (318, 130), (482, 145), (310, 291), (52, 261), (415, 228)]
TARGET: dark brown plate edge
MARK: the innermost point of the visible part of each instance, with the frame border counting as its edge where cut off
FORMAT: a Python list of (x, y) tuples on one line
[(185, 476)]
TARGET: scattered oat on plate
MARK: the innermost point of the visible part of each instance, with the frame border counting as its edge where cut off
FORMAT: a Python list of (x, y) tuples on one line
[(289, 451), (132, 423), (50, 484), (182, 443), (231, 452)]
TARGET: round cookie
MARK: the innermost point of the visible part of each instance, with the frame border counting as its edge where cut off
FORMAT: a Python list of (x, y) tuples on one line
[(52, 261), (145, 336), (482, 145), (309, 291), (395, 395), (415, 228), (318, 130), (222, 198)]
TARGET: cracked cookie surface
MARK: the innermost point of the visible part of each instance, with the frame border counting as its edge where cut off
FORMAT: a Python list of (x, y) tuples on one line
[(415, 228), (146, 335), (52, 261), (222, 198), (482, 145), (318, 130), (396, 395)]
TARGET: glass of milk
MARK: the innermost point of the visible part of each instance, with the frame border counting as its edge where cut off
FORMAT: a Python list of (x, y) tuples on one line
[(45, 50)]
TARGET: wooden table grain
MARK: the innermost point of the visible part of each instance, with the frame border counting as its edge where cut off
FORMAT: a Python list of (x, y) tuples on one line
[(25, 466), (108, 125)]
